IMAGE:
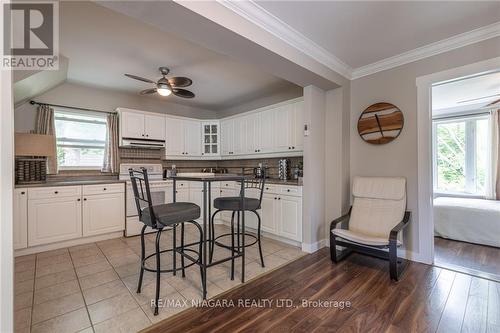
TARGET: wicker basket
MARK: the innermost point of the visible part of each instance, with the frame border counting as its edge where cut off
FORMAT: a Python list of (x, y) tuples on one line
[(31, 170)]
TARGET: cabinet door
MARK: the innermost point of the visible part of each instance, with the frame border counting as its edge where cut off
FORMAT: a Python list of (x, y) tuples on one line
[(282, 130), (174, 137), (132, 125), (266, 129), (54, 219), (182, 195), (192, 138), (252, 137), (239, 136), (20, 226), (103, 213), (227, 132), (154, 127), (290, 217), (268, 213), (298, 126)]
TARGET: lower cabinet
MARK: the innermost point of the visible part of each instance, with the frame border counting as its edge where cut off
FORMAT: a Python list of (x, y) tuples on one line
[(54, 219), (268, 213), (55, 214), (103, 213), (289, 217), (20, 212)]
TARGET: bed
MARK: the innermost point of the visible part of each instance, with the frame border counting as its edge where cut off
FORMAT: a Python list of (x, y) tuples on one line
[(469, 220)]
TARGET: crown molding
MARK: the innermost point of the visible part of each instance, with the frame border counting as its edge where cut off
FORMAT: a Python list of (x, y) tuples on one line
[(267, 21), (429, 50)]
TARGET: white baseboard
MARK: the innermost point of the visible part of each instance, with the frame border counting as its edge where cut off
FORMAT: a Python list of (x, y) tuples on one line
[(313, 247), (68, 243)]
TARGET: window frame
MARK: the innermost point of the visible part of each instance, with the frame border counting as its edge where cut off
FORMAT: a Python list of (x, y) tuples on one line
[(470, 153), (75, 112)]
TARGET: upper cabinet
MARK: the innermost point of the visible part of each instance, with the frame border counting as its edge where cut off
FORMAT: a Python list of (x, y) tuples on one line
[(210, 138), (227, 134), (183, 137), (136, 124)]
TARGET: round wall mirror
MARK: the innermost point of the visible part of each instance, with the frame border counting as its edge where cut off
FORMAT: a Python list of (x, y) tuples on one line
[(380, 123)]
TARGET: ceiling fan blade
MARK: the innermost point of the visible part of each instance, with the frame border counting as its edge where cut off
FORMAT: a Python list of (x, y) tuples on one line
[(180, 81), (148, 91), (182, 93), (139, 78)]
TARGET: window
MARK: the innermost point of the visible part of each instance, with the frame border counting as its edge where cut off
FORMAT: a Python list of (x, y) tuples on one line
[(461, 154), (81, 139)]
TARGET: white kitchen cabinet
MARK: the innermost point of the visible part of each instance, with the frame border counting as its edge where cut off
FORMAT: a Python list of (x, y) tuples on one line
[(297, 126), (183, 137), (227, 133), (54, 219), (252, 134), (192, 138), (284, 116), (154, 127), (103, 213), (239, 136), (135, 124), (20, 226), (131, 125), (174, 137), (210, 138), (289, 217), (268, 213), (266, 131)]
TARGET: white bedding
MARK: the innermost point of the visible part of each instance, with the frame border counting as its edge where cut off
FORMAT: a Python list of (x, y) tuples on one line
[(469, 220)]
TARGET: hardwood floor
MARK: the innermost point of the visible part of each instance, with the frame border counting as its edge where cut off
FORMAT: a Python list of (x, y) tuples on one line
[(426, 299), (466, 257)]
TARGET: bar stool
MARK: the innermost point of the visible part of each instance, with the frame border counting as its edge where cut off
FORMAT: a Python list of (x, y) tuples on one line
[(159, 217), (234, 204)]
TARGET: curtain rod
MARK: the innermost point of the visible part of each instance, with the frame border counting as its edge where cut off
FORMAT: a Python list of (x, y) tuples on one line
[(70, 107)]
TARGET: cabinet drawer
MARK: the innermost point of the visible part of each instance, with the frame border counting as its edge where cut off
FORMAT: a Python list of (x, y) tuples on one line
[(54, 192), (291, 190), (182, 184), (227, 184), (103, 189), (270, 189)]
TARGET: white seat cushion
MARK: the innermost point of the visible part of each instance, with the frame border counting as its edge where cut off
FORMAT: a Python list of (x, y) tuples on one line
[(361, 238)]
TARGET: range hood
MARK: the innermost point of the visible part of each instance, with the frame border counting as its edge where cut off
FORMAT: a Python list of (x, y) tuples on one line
[(142, 143)]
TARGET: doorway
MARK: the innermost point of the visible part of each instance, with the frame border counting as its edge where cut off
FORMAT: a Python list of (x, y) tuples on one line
[(464, 163)]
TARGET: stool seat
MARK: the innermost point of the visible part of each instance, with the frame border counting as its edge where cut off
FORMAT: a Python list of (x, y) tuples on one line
[(171, 213), (234, 203)]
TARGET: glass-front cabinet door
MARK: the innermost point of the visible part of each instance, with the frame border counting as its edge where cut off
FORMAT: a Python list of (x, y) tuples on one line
[(211, 138)]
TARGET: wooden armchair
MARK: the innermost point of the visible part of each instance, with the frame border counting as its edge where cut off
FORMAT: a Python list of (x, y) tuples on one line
[(374, 223)]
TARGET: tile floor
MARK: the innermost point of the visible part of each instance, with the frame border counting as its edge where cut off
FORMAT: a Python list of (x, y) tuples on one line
[(92, 287)]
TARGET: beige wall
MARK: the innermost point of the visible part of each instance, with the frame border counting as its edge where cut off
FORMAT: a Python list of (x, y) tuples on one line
[(72, 94), (398, 86)]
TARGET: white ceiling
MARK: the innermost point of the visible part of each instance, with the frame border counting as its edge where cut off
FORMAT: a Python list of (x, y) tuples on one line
[(465, 95), (102, 45), (360, 33)]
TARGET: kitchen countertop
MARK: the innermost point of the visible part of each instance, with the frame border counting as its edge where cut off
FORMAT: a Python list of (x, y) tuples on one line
[(277, 181), (71, 183)]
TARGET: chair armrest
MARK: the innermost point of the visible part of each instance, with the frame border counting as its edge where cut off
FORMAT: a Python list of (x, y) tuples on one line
[(400, 226), (341, 219)]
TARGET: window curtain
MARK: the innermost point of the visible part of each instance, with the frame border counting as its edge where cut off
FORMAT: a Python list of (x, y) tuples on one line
[(491, 177), (45, 125), (110, 163)]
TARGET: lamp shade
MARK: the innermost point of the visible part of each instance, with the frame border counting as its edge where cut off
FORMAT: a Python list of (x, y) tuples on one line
[(27, 144)]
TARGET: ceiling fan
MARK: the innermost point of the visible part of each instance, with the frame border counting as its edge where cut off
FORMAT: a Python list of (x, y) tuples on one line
[(166, 86)]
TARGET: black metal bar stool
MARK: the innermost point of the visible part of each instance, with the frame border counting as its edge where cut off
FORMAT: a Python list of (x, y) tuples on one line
[(234, 204), (162, 216)]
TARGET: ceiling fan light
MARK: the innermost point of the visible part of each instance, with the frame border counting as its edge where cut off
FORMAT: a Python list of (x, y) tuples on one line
[(163, 90)]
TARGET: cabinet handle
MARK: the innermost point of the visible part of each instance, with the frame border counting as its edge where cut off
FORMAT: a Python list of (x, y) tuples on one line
[(267, 188), (288, 190), (147, 135), (23, 192), (279, 198), (275, 198), (78, 199), (55, 192), (142, 134), (289, 147), (104, 189), (84, 199), (293, 147)]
